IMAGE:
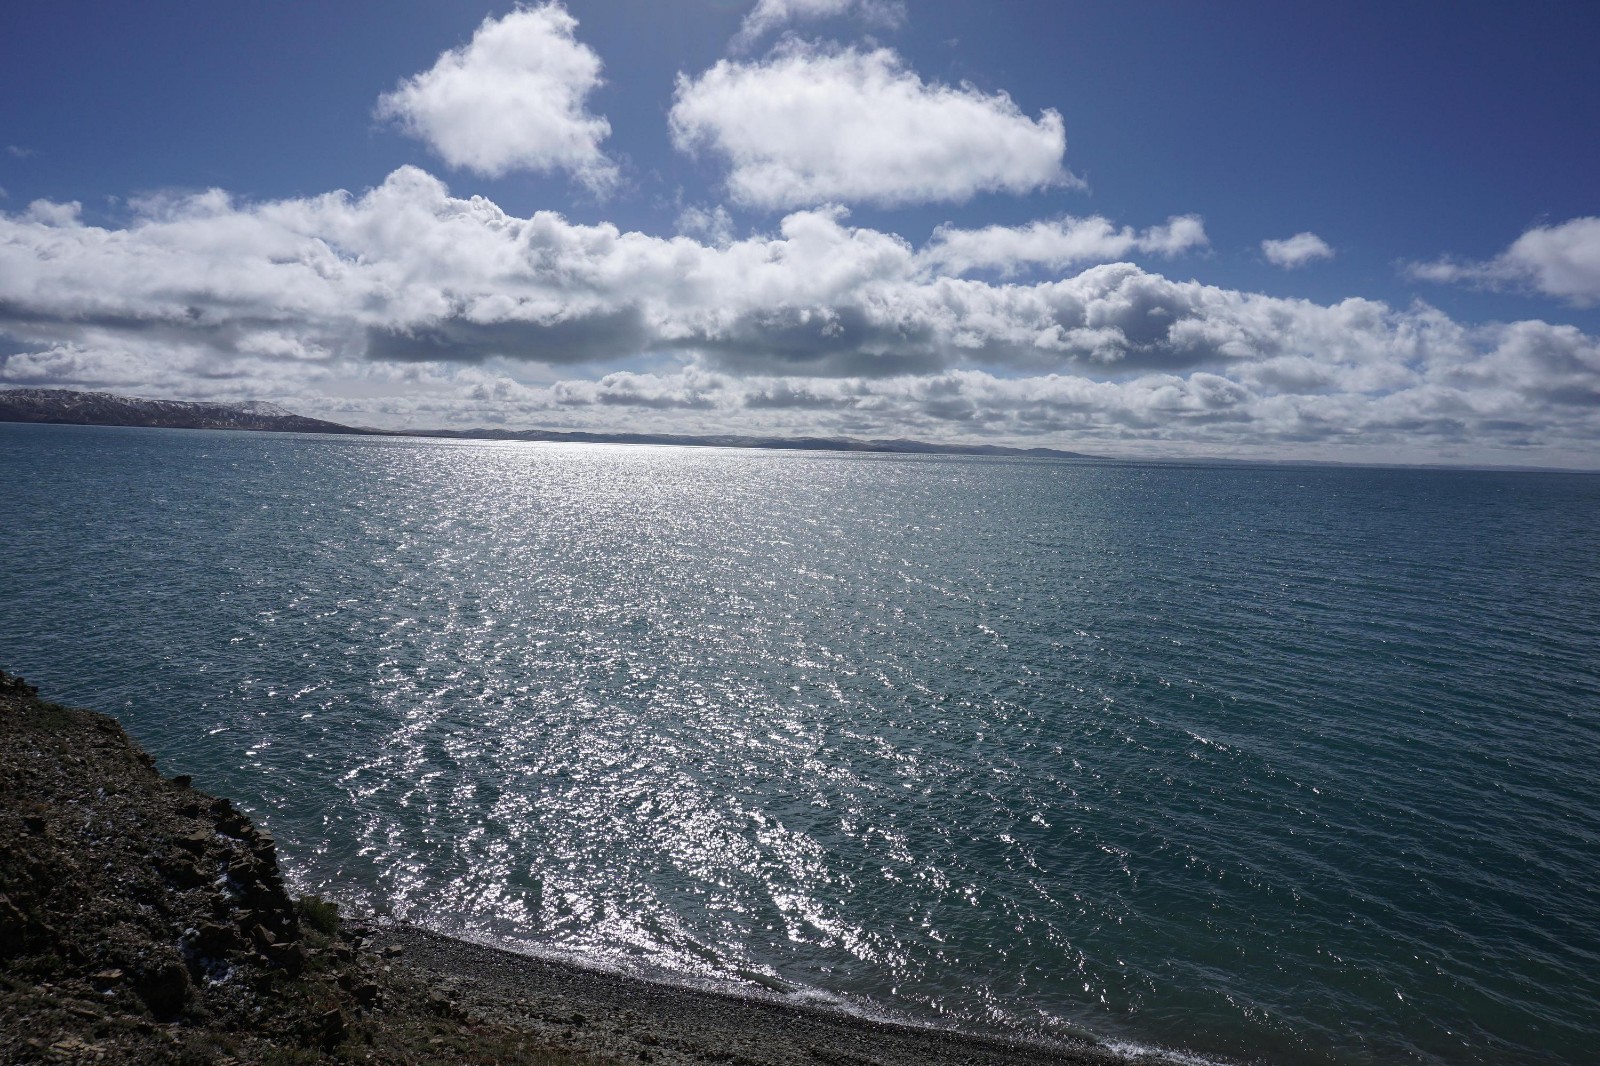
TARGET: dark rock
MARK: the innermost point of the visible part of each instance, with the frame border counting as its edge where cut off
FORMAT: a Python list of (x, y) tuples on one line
[(288, 956), (333, 1028), (13, 927), (214, 940), (164, 986), (229, 819), (195, 841), (264, 847), (15, 686), (183, 869)]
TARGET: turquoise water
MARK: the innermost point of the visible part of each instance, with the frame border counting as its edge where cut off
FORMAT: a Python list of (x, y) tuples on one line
[(1292, 764)]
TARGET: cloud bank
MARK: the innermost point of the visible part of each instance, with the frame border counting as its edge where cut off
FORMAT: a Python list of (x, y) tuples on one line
[(513, 98), (1561, 261), (408, 303), (811, 124)]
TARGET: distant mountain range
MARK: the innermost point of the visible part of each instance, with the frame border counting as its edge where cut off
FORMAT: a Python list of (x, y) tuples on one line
[(66, 407)]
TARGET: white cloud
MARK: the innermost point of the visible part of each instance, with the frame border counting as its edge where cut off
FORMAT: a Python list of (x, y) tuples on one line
[(48, 213), (714, 225), (1296, 251), (1561, 261), (513, 98), (771, 15), (809, 124), (408, 304), (1058, 243)]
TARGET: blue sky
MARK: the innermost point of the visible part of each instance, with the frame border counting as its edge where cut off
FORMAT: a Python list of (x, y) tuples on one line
[(943, 220)]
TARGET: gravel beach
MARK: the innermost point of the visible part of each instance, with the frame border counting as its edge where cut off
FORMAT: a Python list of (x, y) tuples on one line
[(624, 1017)]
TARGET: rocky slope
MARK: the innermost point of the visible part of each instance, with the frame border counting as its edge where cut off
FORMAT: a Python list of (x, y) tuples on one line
[(142, 920)]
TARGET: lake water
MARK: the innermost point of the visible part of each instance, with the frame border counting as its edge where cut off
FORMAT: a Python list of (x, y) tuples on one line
[(1297, 764)]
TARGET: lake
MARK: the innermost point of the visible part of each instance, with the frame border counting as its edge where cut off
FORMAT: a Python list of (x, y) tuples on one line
[(1291, 763)]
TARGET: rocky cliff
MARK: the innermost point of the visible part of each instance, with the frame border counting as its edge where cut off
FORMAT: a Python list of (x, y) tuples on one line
[(142, 920)]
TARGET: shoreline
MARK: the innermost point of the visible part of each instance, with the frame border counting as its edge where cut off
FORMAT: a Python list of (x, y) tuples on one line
[(670, 1022), (142, 919)]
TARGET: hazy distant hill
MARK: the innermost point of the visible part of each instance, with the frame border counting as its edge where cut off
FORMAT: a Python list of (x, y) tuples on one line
[(65, 407), (733, 440)]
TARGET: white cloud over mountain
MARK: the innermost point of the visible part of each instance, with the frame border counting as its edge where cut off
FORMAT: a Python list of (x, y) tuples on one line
[(407, 300), (811, 124), (769, 16), (1561, 261), (512, 98), (1296, 251)]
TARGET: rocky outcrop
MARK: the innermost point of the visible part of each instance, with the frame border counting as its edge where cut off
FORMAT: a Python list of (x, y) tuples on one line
[(147, 890), (142, 920)]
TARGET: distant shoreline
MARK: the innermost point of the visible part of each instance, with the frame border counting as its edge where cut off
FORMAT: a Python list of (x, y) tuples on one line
[(63, 407), (66, 407)]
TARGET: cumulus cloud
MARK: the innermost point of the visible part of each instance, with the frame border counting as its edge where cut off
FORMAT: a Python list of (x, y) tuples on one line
[(1296, 251), (409, 304), (49, 213), (1561, 261), (711, 224), (1058, 243), (771, 15), (512, 98), (812, 124)]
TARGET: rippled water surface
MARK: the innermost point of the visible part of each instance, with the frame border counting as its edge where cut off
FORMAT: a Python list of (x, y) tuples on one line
[(1298, 764)]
